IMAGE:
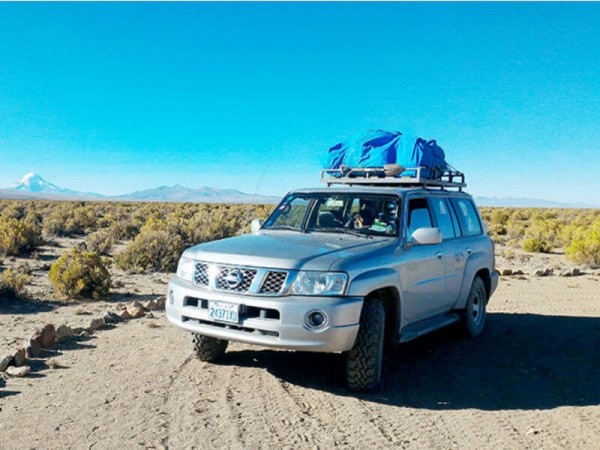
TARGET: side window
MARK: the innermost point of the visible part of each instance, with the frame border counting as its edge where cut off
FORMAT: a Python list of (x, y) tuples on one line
[(467, 217), (454, 219), (418, 215), (442, 214)]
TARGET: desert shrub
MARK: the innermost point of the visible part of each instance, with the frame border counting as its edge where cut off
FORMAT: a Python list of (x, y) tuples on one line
[(55, 224), (543, 234), (155, 250), (80, 275), (69, 221), (543, 230), (82, 219), (584, 248), (498, 221), (536, 245), (220, 223), (33, 218), (125, 229), (14, 211), (12, 283), (17, 237), (100, 242)]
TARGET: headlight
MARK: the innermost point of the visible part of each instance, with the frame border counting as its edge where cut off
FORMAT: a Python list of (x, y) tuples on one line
[(186, 269), (320, 283)]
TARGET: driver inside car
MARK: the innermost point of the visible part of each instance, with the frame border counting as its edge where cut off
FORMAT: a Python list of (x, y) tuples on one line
[(365, 216)]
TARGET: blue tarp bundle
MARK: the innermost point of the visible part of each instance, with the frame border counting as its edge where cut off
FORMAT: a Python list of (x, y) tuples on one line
[(377, 148)]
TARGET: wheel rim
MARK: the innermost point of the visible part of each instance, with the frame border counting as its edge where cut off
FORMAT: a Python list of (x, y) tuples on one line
[(477, 308)]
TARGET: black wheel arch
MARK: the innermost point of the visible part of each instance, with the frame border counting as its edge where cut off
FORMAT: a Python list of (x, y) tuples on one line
[(486, 277), (391, 302)]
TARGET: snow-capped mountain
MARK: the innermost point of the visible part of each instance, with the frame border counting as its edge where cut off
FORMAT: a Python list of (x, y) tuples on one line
[(34, 183), (33, 186)]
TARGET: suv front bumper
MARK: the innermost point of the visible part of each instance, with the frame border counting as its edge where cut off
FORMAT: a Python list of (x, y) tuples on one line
[(277, 322)]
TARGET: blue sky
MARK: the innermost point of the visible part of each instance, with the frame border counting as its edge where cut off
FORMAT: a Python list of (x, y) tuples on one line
[(118, 97)]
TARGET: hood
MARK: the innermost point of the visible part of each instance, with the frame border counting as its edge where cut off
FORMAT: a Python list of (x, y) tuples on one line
[(284, 249)]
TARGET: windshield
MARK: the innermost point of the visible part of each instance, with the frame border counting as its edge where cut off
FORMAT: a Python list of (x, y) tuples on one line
[(364, 214)]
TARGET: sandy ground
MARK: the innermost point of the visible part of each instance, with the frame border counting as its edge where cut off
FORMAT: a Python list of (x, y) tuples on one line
[(531, 381), (20, 318)]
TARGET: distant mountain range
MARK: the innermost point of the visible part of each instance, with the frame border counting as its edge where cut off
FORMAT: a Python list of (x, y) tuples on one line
[(524, 202), (202, 194), (33, 186)]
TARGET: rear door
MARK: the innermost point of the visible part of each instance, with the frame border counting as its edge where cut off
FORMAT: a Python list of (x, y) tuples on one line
[(422, 270), (471, 245)]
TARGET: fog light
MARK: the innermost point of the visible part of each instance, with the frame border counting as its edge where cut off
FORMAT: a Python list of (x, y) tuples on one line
[(316, 319), (171, 297)]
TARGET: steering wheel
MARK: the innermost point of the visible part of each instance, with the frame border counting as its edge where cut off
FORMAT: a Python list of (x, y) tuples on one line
[(349, 221)]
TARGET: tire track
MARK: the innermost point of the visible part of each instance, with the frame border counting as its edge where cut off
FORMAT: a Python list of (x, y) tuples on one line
[(197, 407), (262, 411), (166, 422), (335, 417)]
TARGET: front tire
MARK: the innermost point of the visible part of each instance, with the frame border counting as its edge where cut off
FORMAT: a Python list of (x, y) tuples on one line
[(473, 316), (365, 359), (208, 348)]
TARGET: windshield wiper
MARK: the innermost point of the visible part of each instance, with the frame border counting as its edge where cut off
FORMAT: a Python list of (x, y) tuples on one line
[(286, 227), (345, 231)]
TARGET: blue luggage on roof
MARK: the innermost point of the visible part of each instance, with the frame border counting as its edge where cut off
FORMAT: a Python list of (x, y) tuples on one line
[(377, 148)]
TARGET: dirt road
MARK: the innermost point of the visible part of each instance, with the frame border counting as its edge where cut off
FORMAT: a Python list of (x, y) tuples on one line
[(531, 381)]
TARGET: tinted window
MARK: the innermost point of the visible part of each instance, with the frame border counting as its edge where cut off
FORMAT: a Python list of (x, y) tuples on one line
[(442, 214), (467, 217), (418, 215)]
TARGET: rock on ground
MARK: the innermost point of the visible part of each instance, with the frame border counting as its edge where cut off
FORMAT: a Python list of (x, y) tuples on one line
[(96, 324), (20, 356), (33, 347), (136, 310), (46, 336), (5, 362), (63, 332), (124, 315), (110, 317), (18, 372)]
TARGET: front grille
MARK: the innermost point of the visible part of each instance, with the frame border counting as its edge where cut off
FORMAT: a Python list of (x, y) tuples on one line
[(247, 277), (273, 282), (201, 275), (240, 279)]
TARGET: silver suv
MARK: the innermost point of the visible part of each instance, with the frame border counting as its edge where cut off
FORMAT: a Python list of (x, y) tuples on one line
[(340, 269)]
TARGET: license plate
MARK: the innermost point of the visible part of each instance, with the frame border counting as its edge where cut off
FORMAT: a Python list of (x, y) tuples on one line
[(224, 312)]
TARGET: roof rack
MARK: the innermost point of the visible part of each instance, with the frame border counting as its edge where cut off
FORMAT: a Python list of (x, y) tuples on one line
[(380, 176)]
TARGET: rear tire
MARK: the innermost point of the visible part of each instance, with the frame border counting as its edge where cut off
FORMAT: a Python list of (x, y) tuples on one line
[(473, 316), (365, 359), (208, 348)]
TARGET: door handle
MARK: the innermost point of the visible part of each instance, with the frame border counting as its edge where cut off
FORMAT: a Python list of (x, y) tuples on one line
[(439, 255), (468, 251)]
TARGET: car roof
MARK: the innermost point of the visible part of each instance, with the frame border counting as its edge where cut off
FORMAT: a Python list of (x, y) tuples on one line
[(381, 191)]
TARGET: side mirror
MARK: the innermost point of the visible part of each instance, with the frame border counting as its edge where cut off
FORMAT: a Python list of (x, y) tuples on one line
[(426, 236), (256, 225)]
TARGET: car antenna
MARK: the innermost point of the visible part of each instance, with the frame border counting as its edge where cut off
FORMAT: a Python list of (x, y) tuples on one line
[(247, 219)]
